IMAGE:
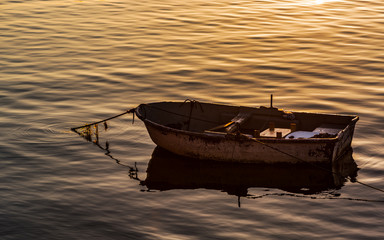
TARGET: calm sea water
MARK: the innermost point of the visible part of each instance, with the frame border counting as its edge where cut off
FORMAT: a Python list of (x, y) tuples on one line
[(67, 63)]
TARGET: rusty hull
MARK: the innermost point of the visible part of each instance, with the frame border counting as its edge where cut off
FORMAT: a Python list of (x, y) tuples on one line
[(235, 148)]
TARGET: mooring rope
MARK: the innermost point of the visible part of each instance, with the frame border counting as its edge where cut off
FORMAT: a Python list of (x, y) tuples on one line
[(368, 185), (105, 120), (311, 197), (133, 171)]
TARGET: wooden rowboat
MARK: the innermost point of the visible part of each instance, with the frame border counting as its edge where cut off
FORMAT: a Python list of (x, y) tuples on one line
[(247, 134)]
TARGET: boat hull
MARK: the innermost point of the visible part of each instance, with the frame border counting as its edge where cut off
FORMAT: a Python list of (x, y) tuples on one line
[(234, 148)]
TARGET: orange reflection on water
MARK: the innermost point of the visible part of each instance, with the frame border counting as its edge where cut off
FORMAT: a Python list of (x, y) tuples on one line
[(316, 2)]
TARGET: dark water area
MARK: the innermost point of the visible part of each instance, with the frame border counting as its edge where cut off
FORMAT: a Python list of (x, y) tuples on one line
[(67, 63)]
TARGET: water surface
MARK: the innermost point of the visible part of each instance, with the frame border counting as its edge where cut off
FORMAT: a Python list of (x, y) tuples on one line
[(67, 63)]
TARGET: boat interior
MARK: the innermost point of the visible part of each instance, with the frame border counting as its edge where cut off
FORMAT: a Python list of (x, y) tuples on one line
[(261, 122)]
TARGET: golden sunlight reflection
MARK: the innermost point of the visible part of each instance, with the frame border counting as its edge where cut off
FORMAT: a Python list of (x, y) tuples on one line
[(325, 1), (318, 2)]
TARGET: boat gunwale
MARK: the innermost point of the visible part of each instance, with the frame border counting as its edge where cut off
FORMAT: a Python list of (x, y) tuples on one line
[(245, 138)]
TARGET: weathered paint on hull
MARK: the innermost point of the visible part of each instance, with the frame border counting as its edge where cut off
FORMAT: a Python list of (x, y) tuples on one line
[(236, 149)]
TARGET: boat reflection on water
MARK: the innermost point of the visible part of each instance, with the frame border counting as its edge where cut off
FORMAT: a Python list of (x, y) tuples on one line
[(168, 171)]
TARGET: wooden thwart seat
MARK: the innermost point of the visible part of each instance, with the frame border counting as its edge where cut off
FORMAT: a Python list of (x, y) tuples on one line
[(234, 124)]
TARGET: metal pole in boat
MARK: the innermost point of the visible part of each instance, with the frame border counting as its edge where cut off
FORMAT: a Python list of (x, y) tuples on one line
[(271, 100)]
